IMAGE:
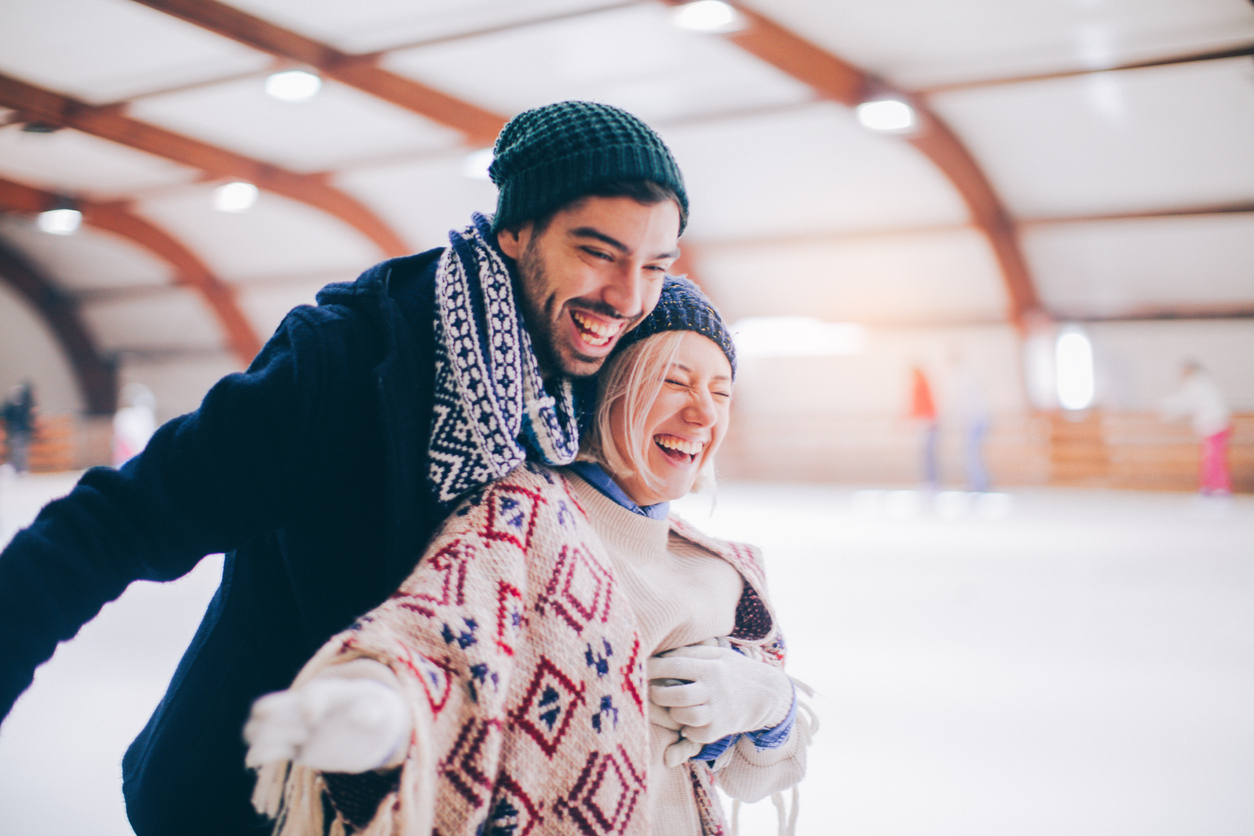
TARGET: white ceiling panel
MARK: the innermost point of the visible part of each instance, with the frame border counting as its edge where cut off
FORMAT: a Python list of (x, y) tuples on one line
[(106, 50), (383, 24), (422, 200), (339, 126), (177, 318), (266, 304), (88, 260), (179, 383), (1161, 138), (1108, 268), (82, 165), (810, 169), (633, 57), (919, 44), (276, 237), (935, 277)]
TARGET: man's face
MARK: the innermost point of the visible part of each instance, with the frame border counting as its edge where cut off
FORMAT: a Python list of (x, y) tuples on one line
[(590, 276)]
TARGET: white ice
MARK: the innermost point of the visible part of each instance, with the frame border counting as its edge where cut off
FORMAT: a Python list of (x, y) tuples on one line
[(1030, 663)]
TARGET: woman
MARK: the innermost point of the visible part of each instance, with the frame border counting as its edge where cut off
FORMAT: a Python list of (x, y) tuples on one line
[(563, 644)]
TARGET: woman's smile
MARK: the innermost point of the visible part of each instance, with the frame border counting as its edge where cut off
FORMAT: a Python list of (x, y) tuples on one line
[(679, 450)]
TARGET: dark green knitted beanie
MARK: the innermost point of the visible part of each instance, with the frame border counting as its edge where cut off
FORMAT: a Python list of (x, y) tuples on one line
[(546, 157)]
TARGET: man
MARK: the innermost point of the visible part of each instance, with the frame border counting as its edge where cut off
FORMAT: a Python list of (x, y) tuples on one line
[(324, 469)]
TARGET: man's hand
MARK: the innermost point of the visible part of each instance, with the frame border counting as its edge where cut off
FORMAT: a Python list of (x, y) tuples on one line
[(714, 691), (332, 724)]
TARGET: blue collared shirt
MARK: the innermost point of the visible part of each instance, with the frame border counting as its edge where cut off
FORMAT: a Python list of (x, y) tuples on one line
[(596, 476)]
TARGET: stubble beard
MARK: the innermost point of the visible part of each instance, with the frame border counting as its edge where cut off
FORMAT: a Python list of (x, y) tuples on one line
[(541, 321)]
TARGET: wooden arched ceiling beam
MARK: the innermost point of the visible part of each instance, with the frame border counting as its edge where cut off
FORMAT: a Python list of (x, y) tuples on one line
[(95, 374), (833, 78), (1168, 61), (479, 126), (36, 104), (189, 270)]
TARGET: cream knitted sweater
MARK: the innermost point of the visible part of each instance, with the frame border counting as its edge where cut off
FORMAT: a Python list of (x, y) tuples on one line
[(682, 594)]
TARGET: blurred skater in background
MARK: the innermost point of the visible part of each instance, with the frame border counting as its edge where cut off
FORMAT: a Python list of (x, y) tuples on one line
[(1200, 400), (923, 410), (134, 423), (19, 425)]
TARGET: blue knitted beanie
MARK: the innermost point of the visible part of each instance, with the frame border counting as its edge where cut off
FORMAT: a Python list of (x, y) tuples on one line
[(683, 307)]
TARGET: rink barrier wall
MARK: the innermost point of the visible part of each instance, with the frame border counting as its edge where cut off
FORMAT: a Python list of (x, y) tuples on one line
[(1095, 448)]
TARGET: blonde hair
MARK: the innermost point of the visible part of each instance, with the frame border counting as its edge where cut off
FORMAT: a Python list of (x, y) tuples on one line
[(634, 377)]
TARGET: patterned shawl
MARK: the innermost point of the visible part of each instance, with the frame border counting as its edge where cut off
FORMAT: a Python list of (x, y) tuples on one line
[(518, 655)]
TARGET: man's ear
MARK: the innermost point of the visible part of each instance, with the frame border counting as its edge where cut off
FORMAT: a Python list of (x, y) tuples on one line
[(513, 240)]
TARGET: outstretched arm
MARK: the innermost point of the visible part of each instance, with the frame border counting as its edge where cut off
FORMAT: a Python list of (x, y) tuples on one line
[(207, 482)]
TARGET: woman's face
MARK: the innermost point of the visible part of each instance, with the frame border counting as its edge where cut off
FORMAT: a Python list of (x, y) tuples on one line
[(684, 425)]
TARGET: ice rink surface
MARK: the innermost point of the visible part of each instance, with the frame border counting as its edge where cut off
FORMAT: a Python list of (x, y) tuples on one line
[(1032, 663)]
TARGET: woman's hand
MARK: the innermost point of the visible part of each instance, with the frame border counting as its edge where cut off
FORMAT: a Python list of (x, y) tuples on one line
[(714, 691), (332, 723)]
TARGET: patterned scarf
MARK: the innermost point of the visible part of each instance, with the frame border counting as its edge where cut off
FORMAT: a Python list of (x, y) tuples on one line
[(491, 407)]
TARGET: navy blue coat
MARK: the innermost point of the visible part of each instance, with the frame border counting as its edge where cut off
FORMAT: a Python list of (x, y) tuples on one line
[(308, 471)]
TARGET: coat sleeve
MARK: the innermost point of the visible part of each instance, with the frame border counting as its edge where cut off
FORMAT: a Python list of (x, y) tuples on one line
[(207, 482)]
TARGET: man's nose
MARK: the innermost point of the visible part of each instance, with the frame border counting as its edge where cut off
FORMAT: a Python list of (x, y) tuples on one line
[(625, 290)]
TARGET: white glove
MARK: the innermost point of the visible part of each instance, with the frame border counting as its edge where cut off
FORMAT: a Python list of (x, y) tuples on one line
[(332, 723), (724, 692)]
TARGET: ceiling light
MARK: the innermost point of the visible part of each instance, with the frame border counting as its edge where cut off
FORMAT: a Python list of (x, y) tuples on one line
[(475, 164), (293, 85), (63, 221), (234, 197), (1073, 355), (709, 16), (796, 336), (887, 116)]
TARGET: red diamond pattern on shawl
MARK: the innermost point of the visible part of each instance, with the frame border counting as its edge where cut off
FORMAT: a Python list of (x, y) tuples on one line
[(574, 497), (436, 677), (580, 589), (605, 795), (633, 674), (513, 812), (548, 705), (510, 616), (441, 583), (463, 766), (512, 514)]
